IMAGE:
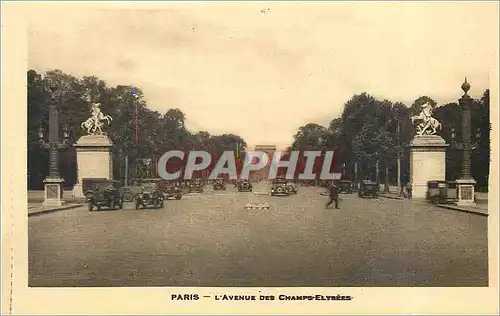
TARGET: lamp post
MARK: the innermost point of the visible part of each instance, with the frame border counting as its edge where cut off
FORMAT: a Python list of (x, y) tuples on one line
[(53, 183), (465, 185)]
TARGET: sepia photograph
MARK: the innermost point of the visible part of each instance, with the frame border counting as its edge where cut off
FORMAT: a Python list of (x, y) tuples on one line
[(116, 90), (260, 145)]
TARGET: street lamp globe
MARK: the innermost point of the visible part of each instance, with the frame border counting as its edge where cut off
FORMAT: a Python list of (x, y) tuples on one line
[(465, 86)]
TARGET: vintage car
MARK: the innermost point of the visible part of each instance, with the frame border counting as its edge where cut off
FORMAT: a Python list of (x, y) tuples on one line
[(279, 188), (196, 186), (219, 184), (323, 183), (88, 184), (368, 188), (244, 186), (130, 191), (437, 192), (150, 196), (345, 186), (173, 191), (104, 193), (291, 188)]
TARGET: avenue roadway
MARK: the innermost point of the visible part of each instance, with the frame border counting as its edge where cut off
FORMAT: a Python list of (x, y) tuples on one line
[(212, 240)]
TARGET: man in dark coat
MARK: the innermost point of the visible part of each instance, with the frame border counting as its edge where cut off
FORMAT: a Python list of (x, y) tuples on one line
[(334, 195)]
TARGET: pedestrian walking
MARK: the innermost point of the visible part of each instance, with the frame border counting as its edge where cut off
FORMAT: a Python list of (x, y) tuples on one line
[(404, 182), (408, 189), (334, 196)]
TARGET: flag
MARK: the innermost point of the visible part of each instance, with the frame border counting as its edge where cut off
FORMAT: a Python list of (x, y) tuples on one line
[(136, 119)]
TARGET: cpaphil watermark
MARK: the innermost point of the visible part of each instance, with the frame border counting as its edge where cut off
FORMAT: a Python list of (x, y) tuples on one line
[(253, 161)]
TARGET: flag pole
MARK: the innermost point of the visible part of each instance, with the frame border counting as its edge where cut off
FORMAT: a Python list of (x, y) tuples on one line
[(136, 123)]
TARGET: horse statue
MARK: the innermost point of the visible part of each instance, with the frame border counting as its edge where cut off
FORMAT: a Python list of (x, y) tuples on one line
[(428, 125), (94, 124)]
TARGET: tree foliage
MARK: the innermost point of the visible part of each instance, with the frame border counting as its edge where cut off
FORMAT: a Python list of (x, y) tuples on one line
[(371, 130), (158, 132)]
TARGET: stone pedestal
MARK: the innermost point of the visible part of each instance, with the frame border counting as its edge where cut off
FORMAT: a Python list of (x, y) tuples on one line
[(53, 191), (465, 192), (94, 159), (427, 162)]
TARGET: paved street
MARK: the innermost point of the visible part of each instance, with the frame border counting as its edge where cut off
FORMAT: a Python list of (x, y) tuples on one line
[(211, 240)]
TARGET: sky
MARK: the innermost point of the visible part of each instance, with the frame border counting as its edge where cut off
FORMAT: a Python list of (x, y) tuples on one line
[(261, 70)]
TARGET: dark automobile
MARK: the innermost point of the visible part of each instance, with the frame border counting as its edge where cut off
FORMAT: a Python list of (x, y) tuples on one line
[(150, 196), (104, 193), (345, 186), (89, 185), (219, 184), (130, 191), (324, 184), (368, 188), (279, 188), (196, 186), (173, 191), (291, 188), (244, 186)]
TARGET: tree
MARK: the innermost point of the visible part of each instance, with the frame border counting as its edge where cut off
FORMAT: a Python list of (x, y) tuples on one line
[(157, 133), (481, 128), (310, 137), (369, 129), (416, 107)]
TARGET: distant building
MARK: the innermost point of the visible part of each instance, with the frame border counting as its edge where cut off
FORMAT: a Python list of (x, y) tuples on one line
[(264, 172)]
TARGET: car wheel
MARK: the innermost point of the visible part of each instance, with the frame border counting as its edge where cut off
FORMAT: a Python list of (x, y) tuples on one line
[(178, 197), (128, 197), (88, 197)]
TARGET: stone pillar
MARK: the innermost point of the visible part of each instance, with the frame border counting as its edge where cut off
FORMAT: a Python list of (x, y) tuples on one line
[(94, 160), (465, 192), (427, 162), (466, 184), (53, 191)]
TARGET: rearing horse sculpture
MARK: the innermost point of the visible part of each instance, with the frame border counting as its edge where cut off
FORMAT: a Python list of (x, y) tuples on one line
[(94, 124), (429, 124)]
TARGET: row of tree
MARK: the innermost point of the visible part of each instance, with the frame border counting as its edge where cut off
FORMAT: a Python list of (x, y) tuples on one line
[(158, 132), (371, 133)]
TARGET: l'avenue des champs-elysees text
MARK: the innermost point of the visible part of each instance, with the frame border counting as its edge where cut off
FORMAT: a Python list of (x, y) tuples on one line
[(280, 297)]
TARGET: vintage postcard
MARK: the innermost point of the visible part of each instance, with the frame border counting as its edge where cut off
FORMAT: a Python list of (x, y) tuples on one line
[(250, 157)]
